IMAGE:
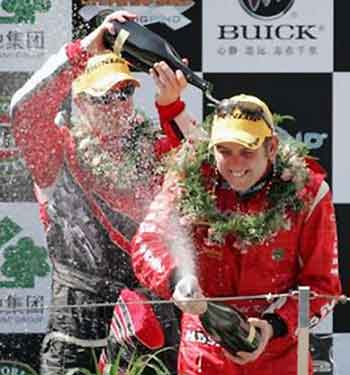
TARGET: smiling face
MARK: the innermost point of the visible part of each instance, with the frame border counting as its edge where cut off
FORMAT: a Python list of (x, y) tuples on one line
[(242, 167)]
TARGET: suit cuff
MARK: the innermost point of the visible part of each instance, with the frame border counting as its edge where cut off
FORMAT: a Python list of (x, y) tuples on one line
[(168, 112), (279, 326)]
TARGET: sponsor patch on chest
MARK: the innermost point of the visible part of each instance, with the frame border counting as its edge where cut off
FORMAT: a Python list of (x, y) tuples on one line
[(212, 252), (278, 254)]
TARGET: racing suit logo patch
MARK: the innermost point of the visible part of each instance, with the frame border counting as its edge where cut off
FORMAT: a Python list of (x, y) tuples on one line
[(278, 254)]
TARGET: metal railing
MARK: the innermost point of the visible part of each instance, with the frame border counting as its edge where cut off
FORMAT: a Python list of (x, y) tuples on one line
[(303, 294)]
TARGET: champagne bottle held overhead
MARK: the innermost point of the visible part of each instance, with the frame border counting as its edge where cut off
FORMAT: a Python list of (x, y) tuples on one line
[(143, 48), (229, 328)]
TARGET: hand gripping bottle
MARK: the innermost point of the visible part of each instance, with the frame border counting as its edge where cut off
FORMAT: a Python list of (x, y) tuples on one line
[(143, 48), (230, 328)]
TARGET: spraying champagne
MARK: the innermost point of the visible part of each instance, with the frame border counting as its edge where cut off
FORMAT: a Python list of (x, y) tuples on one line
[(143, 48), (230, 328), (224, 324)]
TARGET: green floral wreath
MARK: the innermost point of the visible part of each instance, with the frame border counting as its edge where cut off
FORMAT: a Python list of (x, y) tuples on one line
[(197, 205), (138, 164)]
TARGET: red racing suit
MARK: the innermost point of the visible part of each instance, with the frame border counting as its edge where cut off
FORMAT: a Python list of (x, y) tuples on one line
[(303, 254), (89, 224)]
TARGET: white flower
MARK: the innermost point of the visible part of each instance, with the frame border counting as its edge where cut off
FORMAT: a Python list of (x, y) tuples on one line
[(286, 174), (139, 119)]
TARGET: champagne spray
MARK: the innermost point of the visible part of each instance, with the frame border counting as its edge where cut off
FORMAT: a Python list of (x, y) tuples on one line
[(225, 324)]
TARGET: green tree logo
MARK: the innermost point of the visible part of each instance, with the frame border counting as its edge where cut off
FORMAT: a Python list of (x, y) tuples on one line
[(24, 10), (8, 230), (23, 261), (4, 104)]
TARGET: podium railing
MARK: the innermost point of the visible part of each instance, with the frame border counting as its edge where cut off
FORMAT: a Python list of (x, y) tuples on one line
[(304, 295)]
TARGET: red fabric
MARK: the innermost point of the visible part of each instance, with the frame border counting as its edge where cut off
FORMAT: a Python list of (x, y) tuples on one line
[(167, 113), (146, 326), (77, 56), (35, 132), (133, 320), (198, 354), (309, 257)]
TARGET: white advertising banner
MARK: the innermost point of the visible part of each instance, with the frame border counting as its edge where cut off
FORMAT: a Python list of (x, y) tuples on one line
[(268, 36), (32, 31), (341, 136), (25, 271), (145, 98), (152, 11)]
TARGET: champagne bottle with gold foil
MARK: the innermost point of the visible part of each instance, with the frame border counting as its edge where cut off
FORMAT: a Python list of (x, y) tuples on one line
[(143, 48), (230, 328)]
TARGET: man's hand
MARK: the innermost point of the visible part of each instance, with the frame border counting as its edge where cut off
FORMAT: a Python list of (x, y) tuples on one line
[(169, 84), (266, 332), (94, 41), (186, 289)]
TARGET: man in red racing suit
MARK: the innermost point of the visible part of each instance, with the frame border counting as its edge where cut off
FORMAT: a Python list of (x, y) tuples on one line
[(301, 250), (89, 219)]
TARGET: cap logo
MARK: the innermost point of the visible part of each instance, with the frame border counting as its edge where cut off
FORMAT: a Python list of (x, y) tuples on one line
[(249, 116), (240, 110), (255, 143), (107, 61)]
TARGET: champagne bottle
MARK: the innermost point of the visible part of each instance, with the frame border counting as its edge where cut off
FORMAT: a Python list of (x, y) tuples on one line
[(230, 328), (143, 48)]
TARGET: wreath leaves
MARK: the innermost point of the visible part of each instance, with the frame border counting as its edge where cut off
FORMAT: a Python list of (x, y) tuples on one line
[(198, 204)]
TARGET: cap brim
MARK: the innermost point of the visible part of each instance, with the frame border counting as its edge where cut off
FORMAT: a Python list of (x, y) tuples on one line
[(243, 138), (101, 86)]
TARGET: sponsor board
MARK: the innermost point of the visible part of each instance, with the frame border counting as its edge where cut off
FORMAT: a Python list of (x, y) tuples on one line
[(145, 98), (341, 137), (15, 368), (15, 180), (266, 9), (341, 353), (27, 36), (169, 12), (25, 272), (321, 348), (341, 38), (267, 36), (172, 19)]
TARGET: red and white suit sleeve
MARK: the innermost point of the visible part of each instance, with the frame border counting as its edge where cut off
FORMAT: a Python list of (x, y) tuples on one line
[(318, 252), (153, 263), (173, 134), (35, 106)]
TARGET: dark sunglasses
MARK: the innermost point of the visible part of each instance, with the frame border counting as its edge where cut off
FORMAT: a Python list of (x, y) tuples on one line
[(249, 110), (112, 95)]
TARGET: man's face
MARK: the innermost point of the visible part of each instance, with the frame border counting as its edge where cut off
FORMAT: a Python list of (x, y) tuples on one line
[(111, 112), (242, 167)]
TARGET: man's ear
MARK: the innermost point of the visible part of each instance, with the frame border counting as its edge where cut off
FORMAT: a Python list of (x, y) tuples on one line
[(273, 148)]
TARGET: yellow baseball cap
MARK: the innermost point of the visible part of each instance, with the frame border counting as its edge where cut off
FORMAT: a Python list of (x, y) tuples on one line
[(246, 120), (102, 72)]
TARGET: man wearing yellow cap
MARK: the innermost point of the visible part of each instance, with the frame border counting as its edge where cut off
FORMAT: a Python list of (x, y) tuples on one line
[(259, 219), (94, 174)]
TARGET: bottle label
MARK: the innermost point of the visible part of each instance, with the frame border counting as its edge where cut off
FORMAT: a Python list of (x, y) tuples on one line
[(120, 40), (251, 335)]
